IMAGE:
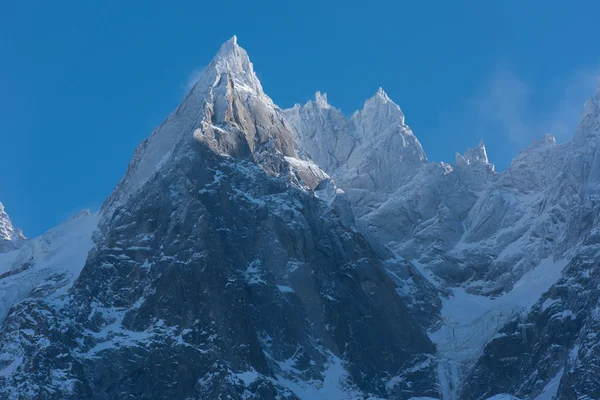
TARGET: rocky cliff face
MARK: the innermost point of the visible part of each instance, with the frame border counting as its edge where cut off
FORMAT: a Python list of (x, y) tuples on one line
[(253, 252), (218, 272)]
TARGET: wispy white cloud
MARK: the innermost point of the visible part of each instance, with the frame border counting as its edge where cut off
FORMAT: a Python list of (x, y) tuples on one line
[(507, 104), (192, 79)]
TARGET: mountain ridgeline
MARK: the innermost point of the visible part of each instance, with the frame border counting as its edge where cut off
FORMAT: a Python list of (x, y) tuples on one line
[(252, 252)]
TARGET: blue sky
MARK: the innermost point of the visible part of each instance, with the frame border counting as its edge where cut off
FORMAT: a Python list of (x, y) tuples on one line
[(83, 82)]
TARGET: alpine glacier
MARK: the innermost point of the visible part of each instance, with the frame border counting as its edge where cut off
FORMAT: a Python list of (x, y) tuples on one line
[(257, 253)]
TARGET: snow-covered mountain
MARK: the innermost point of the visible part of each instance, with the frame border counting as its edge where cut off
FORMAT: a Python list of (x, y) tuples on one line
[(496, 241), (218, 272), (259, 253)]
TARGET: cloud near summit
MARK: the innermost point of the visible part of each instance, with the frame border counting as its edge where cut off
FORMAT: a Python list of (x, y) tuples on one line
[(506, 104)]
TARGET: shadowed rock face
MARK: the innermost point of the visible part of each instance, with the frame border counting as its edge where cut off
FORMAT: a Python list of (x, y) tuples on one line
[(554, 341), (217, 272)]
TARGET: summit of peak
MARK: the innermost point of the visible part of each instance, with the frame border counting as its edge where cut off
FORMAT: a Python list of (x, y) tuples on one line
[(381, 106), (547, 140), (10, 238), (589, 120), (233, 56), (381, 97), (229, 46), (381, 93), (321, 100), (474, 154), (231, 60)]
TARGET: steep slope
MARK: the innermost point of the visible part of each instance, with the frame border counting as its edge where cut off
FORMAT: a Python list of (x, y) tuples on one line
[(497, 241), (219, 273), (554, 342), (372, 152), (415, 207), (254, 252)]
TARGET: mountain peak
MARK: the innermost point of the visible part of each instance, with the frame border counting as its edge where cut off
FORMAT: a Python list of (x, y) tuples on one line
[(381, 106), (589, 121), (382, 94), (230, 46), (227, 110), (231, 60), (382, 97), (477, 154), (10, 238), (547, 140), (321, 100)]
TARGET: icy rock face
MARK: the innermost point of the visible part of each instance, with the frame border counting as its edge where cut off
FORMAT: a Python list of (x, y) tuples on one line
[(10, 239), (324, 133), (227, 111), (414, 206), (551, 347), (473, 230), (589, 123), (219, 273), (464, 222), (374, 150), (384, 141), (474, 167)]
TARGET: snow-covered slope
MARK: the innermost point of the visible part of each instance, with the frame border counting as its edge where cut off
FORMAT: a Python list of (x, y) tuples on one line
[(46, 265)]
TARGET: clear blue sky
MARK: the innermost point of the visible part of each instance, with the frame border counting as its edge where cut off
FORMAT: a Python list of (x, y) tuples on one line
[(83, 82)]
